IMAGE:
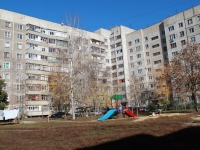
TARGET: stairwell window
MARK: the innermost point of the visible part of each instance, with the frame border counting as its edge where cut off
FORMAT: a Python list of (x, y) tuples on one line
[(146, 38), (131, 57), (147, 46), (19, 56), (131, 50), (19, 66), (154, 38), (139, 63), (129, 43), (148, 61), (147, 54), (156, 45), (156, 54), (157, 62), (137, 48)]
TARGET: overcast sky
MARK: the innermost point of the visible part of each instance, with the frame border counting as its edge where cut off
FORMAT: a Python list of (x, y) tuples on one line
[(97, 14)]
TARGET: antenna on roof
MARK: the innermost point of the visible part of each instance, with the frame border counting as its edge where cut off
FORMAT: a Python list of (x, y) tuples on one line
[(62, 23)]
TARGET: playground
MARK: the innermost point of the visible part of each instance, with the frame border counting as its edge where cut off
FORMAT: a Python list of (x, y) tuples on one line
[(125, 133)]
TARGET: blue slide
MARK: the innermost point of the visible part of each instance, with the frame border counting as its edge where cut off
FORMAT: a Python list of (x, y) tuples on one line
[(107, 115)]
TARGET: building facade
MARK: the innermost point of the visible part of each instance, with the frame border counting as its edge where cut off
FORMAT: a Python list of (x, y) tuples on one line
[(27, 47)]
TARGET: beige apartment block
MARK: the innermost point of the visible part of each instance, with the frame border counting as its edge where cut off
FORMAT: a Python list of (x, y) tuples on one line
[(27, 47)]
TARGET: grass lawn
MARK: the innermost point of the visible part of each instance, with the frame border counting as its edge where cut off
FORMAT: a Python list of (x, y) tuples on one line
[(160, 133)]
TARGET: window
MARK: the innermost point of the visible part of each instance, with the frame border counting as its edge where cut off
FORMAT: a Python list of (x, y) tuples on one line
[(163, 32), (121, 73), (51, 33), (8, 24), (131, 57), (147, 53), (191, 30), (181, 33), (138, 55), (171, 37), (190, 21), (165, 48), (7, 34), (120, 58), (174, 53), (139, 70), (120, 66), (141, 78), (150, 77), (19, 87), (19, 36), (112, 46), (19, 56), (20, 26), (147, 46), (6, 65), (157, 62), (6, 76), (154, 38), (139, 63), (52, 41), (151, 85), (146, 38), (19, 66), (156, 54), (180, 24), (6, 55), (198, 18), (107, 60), (171, 28), (173, 45), (137, 48), (113, 53), (193, 39), (7, 86), (149, 69), (164, 40), (156, 45), (6, 44), (18, 76), (131, 50), (137, 41), (19, 46), (132, 65), (183, 42), (129, 43), (148, 61)]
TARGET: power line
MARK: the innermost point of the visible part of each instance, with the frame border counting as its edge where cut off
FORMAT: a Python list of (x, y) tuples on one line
[(140, 14)]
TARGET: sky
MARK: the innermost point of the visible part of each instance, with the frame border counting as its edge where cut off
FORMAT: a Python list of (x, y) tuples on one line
[(95, 14)]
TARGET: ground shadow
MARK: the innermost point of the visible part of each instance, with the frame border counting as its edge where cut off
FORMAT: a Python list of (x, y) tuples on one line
[(188, 138)]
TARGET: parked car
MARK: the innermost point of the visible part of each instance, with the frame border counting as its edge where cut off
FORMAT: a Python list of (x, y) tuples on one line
[(58, 115), (143, 109)]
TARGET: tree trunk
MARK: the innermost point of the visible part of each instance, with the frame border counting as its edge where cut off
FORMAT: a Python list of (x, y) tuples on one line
[(195, 102)]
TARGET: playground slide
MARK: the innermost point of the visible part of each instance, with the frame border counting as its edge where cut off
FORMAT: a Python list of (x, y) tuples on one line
[(130, 114), (107, 115)]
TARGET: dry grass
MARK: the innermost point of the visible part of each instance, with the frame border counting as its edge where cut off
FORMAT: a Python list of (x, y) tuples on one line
[(82, 134)]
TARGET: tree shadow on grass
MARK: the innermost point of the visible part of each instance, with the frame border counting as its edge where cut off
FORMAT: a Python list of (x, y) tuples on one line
[(188, 138)]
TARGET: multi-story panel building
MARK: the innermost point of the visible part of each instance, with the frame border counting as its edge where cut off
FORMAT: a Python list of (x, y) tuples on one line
[(28, 46)]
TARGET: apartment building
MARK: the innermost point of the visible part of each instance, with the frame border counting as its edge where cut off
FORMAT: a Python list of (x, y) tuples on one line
[(28, 46), (27, 55)]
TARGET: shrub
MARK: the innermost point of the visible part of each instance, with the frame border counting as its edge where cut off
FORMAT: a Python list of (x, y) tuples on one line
[(152, 107)]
